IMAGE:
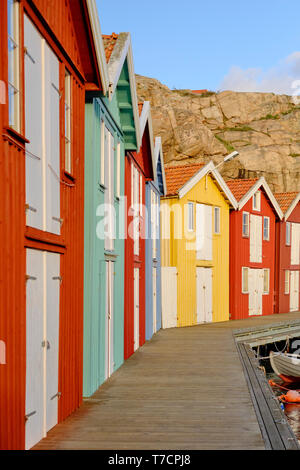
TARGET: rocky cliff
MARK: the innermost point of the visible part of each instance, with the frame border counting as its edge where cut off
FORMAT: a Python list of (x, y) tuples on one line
[(263, 127)]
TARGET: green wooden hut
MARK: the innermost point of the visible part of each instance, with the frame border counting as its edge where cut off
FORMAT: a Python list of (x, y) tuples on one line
[(112, 128)]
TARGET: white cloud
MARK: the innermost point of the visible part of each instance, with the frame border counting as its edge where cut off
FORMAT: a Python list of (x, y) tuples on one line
[(278, 79)]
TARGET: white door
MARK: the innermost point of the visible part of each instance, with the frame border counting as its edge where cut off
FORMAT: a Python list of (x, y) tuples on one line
[(154, 300), (169, 297), (42, 344), (52, 144), (52, 337), (204, 232), (204, 295), (136, 308), (294, 291), (109, 320), (255, 238), (34, 408), (256, 286), (295, 244), (33, 125)]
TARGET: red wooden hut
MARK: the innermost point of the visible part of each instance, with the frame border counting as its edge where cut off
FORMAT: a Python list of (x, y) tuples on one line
[(288, 254), (252, 248), (139, 168), (49, 56)]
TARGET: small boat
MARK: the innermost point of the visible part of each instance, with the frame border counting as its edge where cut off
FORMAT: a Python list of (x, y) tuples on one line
[(286, 366)]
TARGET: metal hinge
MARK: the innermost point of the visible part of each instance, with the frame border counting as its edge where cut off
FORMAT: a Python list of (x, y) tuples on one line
[(57, 278), (28, 55), (58, 395), (29, 415), (30, 278), (30, 208), (46, 344), (57, 219)]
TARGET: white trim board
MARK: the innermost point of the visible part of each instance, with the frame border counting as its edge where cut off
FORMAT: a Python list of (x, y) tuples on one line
[(158, 151), (292, 207), (98, 43), (144, 118), (121, 52), (261, 183), (209, 168)]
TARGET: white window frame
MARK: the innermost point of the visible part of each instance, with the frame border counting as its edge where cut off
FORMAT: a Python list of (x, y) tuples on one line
[(246, 235), (245, 270), (13, 42), (266, 238), (217, 220), (288, 234), (68, 122), (256, 201), (191, 223), (266, 291), (287, 282)]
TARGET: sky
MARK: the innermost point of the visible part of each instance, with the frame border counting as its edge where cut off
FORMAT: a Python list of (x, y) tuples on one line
[(211, 44)]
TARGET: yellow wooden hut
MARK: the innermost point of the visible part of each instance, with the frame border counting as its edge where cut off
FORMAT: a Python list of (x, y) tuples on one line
[(195, 246)]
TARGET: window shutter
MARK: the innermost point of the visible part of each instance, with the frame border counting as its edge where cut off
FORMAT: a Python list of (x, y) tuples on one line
[(52, 104), (33, 125)]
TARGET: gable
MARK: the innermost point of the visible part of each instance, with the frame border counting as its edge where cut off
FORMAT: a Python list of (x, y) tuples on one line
[(144, 156), (160, 181), (70, 27), (125, 106)]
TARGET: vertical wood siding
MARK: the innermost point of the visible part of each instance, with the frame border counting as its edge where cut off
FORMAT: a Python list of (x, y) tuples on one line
[(240, 257)]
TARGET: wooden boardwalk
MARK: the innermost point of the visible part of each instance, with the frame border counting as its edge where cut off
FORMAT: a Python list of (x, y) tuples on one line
[(184, 389)]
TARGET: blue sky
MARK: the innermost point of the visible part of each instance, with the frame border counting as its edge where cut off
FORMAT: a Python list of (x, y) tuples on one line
[(212, 44)]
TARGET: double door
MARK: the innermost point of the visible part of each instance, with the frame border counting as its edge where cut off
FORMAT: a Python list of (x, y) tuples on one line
[(109, 319), (42, 344), (136, 312)]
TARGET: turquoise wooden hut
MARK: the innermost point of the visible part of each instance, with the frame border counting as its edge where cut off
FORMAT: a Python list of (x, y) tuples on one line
[(154, 190), (112, 128)]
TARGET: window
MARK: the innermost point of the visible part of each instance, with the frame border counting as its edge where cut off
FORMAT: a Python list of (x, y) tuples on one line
[(256, 201), (217, 220), (13, 64), (287, 282), (245, 224), (245, 280), (266, 228), (190, 216), (68, 158), (266, 281), (288, 234)]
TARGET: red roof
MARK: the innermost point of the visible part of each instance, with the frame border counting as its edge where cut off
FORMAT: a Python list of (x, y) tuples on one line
[(285, 200), (109, 41), (240, 187), (199, 92), (177, 176)]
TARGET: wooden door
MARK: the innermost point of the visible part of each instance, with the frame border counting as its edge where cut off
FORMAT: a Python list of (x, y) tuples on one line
[(204, 294), (256, 286), (154, 300), (136, 309), (109, 320), (34, 405), (294, 291), (42, 344), (53, 280), (169, 297), (204, 232), (255, 238)]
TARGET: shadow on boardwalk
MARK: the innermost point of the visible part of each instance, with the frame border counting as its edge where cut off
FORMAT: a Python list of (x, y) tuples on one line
[(184, 389)]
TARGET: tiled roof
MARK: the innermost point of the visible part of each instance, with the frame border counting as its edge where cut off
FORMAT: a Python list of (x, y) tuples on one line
[(199, 92), (240, 187), (109, 41), (285, 200), (177, 176)]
